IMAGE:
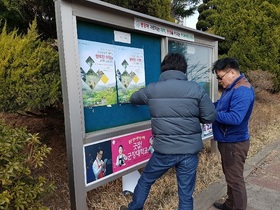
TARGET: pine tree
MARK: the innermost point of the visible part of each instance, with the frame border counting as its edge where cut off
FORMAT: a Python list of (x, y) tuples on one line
[(251, 30)]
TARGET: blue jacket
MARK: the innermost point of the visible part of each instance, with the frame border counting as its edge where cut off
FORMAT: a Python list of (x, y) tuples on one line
[(177, 108), (234, 109)]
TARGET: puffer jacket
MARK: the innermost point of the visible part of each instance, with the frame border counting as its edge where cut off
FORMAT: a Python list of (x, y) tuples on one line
[(177, 108), (234, 109)]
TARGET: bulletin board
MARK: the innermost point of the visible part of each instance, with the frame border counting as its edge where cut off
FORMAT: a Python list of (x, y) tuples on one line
[(108, 121), (118, 114)]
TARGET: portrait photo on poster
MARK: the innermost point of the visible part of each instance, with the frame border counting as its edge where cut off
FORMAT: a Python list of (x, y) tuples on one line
[(98, 161), (130, 149), (116, 154)]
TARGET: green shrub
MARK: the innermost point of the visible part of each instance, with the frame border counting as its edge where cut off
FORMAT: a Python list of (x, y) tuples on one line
[(21, 154), (29, 72)]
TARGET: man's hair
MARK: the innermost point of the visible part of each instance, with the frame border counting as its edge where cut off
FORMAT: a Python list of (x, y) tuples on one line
[(99, 149), (224, 64), (174, 61)]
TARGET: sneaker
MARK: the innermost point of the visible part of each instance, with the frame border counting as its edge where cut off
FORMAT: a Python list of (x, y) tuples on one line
[(222, 206), (127, 193), (123, 208)]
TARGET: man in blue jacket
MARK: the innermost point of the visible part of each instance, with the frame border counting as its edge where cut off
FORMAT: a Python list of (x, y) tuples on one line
[(230, 129), (177, 107)]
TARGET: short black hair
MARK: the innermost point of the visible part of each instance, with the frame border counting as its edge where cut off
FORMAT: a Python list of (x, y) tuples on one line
[(224, 64), (174, 61), (99, 149)]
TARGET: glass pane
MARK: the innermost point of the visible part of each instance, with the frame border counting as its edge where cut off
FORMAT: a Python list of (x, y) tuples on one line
[(199, 59)]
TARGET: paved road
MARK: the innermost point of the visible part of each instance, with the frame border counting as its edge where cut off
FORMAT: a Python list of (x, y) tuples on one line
[(262, 174)]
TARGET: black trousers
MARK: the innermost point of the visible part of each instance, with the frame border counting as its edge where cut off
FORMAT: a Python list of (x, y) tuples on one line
[(233, 156)]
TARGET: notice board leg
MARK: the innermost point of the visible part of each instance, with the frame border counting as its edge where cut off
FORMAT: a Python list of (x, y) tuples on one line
[(214, 148)]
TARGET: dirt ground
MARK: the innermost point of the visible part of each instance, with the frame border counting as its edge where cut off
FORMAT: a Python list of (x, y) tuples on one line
[(50, 126)]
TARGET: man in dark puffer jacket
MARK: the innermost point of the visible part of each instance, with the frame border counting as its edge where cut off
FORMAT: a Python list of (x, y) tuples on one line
[(177, 107)]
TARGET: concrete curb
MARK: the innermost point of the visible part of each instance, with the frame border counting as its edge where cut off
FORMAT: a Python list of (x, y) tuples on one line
[(205, 199)]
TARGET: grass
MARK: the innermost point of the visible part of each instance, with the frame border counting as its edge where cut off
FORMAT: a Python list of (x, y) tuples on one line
[(264, 129)]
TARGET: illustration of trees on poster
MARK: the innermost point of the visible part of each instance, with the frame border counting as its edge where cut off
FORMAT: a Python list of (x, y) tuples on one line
[(97, 73), (130, 72)]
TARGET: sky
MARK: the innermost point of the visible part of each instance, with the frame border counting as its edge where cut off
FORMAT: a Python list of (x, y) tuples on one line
[(191, 21)]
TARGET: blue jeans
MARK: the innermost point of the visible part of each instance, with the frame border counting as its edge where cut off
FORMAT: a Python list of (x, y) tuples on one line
[(158, 164)]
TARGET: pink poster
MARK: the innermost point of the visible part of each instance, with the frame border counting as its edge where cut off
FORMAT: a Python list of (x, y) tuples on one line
[(130, 149)]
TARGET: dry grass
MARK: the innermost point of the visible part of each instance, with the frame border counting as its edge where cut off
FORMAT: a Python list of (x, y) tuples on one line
[(265, 123), (163, 194), (264, 128)]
